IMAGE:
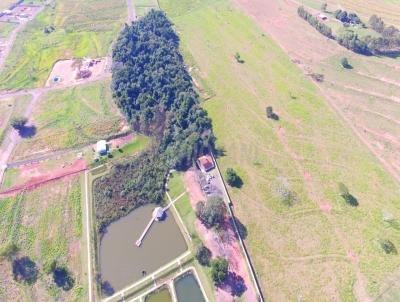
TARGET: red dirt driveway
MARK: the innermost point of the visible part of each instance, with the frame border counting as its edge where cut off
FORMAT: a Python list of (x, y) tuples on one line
[(225, 245)]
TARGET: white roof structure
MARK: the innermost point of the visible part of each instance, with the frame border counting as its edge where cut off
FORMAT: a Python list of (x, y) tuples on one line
[(158, 213), (101, 147)]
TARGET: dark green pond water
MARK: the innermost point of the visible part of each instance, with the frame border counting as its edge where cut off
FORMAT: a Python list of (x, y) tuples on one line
[(161, 296), (123, 263), (188, 290)]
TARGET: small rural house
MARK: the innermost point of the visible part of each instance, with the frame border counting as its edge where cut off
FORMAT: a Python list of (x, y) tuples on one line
[(101, 147), (205, 163), (322, 16)]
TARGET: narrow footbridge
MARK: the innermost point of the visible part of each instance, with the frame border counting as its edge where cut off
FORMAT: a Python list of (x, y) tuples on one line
[(154, 218)]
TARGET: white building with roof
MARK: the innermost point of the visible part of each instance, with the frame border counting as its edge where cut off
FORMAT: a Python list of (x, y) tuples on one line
[(101, 147)]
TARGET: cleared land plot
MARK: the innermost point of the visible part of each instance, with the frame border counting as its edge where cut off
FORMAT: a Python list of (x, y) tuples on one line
[(5, 4), (71, 117), (9, 108), (319, 247), (82, 29), (144, 6), (46, 225), (67, 72)]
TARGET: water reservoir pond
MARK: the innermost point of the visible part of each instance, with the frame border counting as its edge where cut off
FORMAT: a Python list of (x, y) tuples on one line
[(122, 262), (161, 296), (188, 290)]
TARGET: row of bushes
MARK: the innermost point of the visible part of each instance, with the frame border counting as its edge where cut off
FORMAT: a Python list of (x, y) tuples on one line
[(313, 21), (154, 90), (387, 44)]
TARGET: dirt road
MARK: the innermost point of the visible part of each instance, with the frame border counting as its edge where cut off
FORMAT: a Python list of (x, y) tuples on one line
[(131, 11)]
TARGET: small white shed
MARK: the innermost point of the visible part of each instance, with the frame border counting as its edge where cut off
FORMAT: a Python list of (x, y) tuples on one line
[(101, 147)]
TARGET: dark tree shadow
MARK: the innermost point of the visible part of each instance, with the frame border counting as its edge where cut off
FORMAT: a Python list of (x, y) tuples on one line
[(241, 228), (219, 152), (27, 131), (351, 200), (25, 270), (236, 284), (237, 183), (275, 117), (107, 289), (62, 278)]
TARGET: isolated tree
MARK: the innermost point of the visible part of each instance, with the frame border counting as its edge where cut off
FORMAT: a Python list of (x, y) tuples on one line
[(219, 270), (238, 58), (324, 6), (211, 213), (232, 178), (18, 122), (388, 247), (344, 192), (345, 63), (24, 270), (270, 112), (203, 255), (9, 251), (63, 278)]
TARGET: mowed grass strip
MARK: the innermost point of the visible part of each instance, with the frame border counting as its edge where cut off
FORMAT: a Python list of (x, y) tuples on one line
[(82, 29), (46, 225), (299, 249), (71, 117)]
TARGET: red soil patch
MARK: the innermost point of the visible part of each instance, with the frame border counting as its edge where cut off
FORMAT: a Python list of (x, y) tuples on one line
[(29, 167), (325, 207), (225, 245), (78, 166), (352, 256)]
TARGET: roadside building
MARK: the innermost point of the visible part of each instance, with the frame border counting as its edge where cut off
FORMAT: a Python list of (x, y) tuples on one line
[(101, 147), (322, 17), (205, 163)]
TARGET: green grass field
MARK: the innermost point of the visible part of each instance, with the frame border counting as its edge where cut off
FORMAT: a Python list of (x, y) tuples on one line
[(144, 6), (297, 250), (81, 29), (36, 222), (71, 117)]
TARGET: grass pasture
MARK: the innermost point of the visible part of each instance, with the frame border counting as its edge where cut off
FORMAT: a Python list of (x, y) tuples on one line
[(6, 29), (318, 247), (144, 6), (82, 29), (78, 116), (46, 225)]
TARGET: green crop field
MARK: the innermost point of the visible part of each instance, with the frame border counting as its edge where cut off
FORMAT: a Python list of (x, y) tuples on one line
[(9, 108), (71, 117), (36, 222), (318, 247), (81, 29)]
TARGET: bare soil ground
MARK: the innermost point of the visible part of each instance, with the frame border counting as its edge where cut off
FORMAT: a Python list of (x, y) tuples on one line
[(222, 244), (37, 177), (67, 71)]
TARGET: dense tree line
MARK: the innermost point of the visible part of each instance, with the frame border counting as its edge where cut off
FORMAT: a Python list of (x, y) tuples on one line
[(154, 90), (387, 44), (345, 17), (313, 21)]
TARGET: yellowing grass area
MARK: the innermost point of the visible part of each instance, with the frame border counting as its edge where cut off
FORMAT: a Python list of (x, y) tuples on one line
[(46, 225), (72, 117), (144, 6), (81, 28), (320, 248)]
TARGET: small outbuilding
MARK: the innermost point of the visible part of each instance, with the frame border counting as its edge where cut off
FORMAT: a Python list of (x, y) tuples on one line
[(205, 163), (323, 17), (101, 147)]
